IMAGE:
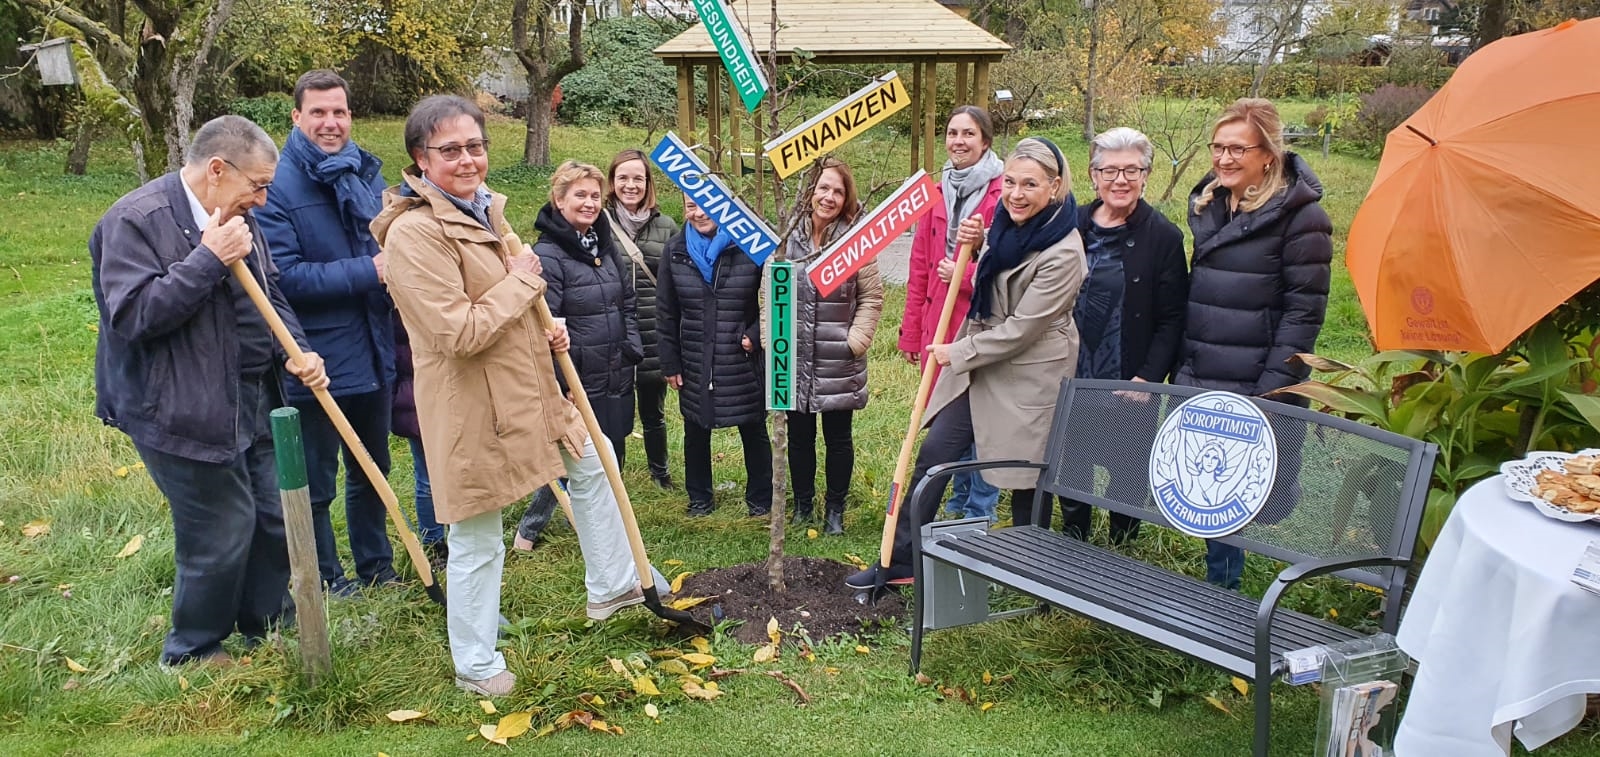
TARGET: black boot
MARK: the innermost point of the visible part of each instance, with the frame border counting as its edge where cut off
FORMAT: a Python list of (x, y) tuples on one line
[(802, 512), (833, 518)]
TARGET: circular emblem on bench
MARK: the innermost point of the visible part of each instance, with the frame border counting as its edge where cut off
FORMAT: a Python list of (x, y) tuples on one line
[(1212, 464)]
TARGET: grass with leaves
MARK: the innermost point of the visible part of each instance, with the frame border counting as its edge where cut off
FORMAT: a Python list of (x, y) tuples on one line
[(1049, 684)]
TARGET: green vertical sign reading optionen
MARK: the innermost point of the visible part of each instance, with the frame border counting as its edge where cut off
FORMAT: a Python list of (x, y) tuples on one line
[(780, 349), (734, 48)]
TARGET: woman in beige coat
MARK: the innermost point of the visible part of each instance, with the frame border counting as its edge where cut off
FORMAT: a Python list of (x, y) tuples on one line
[(491, 414), (1004, 369)]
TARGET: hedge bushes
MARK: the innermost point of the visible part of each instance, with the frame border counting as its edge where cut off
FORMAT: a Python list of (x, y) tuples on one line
[(270, 111), (1227, 81), (622, 81)]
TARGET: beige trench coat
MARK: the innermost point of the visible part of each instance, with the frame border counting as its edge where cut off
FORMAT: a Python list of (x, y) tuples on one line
[(487, 400), (1012, 364)]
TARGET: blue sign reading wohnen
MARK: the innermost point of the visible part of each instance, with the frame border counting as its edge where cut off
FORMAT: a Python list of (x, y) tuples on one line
[(685, 169), (1213, 464)]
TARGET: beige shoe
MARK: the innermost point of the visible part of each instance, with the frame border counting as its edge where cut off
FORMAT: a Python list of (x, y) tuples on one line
[(498, 685), (603, 610)]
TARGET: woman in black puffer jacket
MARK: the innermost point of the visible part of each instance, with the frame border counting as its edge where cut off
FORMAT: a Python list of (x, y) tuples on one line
[(634, 215), (588, 284), (1259, 285), (708, 332)]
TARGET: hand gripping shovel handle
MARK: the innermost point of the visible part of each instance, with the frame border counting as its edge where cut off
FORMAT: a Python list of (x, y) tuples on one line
[(348, 434), (902, 466), (641, 561)]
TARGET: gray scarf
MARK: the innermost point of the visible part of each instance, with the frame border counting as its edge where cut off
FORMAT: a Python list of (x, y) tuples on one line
[(631, 222), (963, 193)]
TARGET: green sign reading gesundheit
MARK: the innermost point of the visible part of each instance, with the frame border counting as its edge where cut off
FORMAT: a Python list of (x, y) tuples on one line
[(734, 48), (780, 350)]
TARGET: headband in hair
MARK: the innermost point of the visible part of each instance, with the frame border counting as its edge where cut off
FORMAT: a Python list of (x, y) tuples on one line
[(1061, 160)]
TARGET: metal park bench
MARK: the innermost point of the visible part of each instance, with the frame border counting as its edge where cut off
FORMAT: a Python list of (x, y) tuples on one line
[(1348, 500)]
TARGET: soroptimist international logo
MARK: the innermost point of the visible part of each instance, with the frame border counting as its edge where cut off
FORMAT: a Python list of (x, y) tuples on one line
[(1212, 464)]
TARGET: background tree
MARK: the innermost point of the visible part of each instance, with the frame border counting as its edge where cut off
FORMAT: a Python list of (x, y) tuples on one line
[(546, 64)]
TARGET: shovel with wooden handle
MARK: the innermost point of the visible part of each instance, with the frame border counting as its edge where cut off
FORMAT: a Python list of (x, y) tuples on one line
[(902, 466), (641, 561), (348, 434)]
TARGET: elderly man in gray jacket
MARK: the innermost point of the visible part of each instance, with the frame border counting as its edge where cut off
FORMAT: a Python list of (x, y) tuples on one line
[(185, 366)]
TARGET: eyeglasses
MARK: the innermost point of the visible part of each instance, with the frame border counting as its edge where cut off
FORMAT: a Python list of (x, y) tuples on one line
[(475, 148), (1130, 173), (255, 187), (1233, 151)]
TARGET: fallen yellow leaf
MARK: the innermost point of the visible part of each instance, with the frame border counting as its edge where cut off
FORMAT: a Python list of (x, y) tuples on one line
[(1240, 686), (183, 683), (986, 706), (696, 691), (487, 732), (73, 666), (808, 656), (677, 583), (548, 729), (383, 754), (1333, 612), (665, 654), (767, 653), (598, 725), (488, 707), (684, 603), (856, 561), (513, 725), (811, 533), (862, 649), (691, 678), (593, 700), (401, 716), (132, 546), (674, 667), (772, 630), (673, 562), (652, 711), (700, 645), (647, 686), (987, 677), (712, 685), (1217, 703), (698, 660), (617, 666), (138, 466), (831, 671), (35, 528), (122, 472)]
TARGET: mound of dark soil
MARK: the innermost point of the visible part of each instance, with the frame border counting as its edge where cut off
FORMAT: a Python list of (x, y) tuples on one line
[(816, 598)]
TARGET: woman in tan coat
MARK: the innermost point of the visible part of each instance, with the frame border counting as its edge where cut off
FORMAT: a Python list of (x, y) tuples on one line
[(1004, 369), (491, 414)]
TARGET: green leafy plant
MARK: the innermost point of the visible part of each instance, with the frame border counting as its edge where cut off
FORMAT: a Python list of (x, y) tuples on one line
[(270, 111)]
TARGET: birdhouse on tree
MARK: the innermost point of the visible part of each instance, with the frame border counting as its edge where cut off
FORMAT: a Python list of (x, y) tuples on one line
[(54, 58)]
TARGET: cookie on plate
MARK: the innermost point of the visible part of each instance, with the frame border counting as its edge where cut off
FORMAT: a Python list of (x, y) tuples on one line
[(1583, 465)]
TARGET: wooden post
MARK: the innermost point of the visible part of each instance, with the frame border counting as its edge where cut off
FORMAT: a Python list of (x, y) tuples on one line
[(305, 582), (963, 94), (686, 102), (916, 116), (736, 128), (714, 115), (980, 84), (930, 103)]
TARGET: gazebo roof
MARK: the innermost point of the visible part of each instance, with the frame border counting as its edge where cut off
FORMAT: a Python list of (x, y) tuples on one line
[(850, 31)]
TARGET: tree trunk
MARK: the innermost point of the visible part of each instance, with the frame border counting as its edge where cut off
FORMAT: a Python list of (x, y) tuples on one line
[(1177, 173), (1091, 71), (78, 157), (539, 59), (536, 143), (780, 419), (1491, 22)]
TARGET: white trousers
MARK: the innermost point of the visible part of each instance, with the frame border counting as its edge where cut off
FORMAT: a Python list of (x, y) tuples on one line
[(478, 554)]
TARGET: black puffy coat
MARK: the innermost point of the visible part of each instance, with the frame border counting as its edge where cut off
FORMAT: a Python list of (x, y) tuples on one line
[(652, 240), (700, 326), (595, 294), (1258, 288)]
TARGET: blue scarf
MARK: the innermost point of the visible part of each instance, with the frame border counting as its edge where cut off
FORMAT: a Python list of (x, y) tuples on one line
[(341, 171), (1010, 243), (704, 250)]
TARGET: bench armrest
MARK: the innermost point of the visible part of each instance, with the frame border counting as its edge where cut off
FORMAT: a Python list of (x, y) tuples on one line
[(1289, 577), (938, 474)]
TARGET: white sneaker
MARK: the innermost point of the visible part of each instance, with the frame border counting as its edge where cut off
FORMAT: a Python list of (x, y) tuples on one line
[(498, 685), (603, 610)]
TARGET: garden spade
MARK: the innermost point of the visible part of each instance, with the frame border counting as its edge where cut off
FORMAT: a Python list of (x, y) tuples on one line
[(348, 434), (902, 466), (608, 459)]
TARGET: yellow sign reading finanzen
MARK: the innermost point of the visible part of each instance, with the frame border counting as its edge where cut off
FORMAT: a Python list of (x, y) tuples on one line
[(837, 125)]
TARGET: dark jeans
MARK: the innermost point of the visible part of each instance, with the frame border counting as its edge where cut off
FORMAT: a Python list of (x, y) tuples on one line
[(839, 447), (757, 463), (428, 529), (652, 393), (227, 528), (949, 438), (365, 517)]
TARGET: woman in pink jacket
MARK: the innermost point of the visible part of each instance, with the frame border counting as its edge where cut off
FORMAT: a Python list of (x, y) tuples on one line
[(969, 185)]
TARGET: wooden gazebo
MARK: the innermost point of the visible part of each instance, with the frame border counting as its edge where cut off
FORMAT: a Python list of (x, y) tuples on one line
[(923, 33)]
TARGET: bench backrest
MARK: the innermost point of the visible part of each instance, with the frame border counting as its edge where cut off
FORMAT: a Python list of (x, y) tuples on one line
[(1343, 489)]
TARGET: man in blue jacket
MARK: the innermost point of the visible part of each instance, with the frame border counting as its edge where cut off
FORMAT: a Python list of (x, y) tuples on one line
[(325, 193), (185, 366)]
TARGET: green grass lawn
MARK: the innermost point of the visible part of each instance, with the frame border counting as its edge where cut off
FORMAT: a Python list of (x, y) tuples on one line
[(1061, 685)]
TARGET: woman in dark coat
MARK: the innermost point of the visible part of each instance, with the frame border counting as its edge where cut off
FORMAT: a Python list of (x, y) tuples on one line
[(1259, 286), (708, 334), (636, 219), (588, 284), (1130, 310)]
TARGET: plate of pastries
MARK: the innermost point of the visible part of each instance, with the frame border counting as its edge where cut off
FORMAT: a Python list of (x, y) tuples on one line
[(1561, 485)]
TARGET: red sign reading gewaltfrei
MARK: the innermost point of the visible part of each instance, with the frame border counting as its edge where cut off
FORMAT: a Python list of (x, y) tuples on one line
[(870, 235)]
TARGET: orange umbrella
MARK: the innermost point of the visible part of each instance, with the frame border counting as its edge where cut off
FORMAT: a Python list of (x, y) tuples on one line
[(1485, 213)]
